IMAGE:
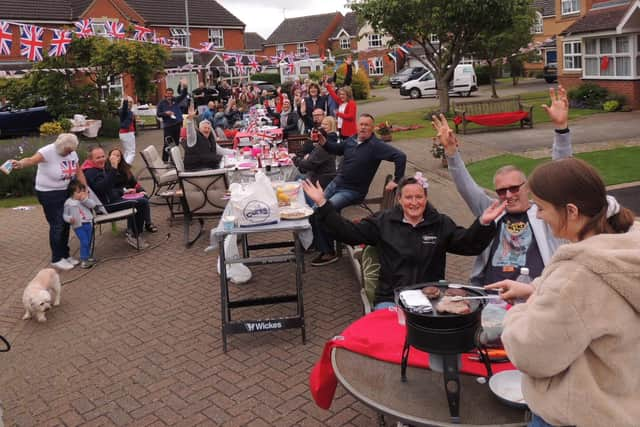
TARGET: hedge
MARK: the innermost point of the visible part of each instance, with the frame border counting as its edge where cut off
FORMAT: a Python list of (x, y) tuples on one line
[(273, 78)]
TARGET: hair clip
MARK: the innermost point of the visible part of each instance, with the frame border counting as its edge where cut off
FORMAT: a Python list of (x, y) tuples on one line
[(422, 180)]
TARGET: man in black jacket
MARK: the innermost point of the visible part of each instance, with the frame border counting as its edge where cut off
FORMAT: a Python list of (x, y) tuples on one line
[(412, 238), (170, 112), (362, 153)]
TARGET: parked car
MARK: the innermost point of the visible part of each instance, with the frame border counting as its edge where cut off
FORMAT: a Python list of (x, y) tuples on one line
[(406, 74), (463, 83), (14, 121), (269, 87), (550, 73)]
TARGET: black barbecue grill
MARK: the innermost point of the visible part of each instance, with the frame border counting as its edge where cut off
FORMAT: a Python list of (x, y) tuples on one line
[(445, 337)]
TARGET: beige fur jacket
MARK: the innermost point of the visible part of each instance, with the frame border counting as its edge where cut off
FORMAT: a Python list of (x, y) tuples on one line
[(577, 340)]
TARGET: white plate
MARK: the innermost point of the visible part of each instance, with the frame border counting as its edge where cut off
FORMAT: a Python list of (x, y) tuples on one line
[(293, 213), (507, 386)]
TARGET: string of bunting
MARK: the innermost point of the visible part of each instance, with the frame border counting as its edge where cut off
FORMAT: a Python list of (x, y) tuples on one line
[(32, 45)]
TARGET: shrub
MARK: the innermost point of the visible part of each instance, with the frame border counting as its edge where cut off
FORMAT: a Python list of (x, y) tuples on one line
[(110, 127), (360, 84), (19, 183), (483, 74), (611, 106), (65, 124), (316, 76), (622, 100), (51, 128), (588, 95), (626, 108), (538, 75), (273, 78)]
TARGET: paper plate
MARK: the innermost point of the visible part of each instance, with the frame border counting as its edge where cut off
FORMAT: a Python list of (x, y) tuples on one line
[(294, 213), (507, 386)]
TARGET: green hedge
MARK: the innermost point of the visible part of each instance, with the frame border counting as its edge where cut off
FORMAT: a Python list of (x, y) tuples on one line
[(273, 78)]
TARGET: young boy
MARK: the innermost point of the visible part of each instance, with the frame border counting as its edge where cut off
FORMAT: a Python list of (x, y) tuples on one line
[(77, 212)]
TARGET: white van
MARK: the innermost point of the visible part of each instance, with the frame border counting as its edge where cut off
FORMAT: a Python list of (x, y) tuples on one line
[(301, 69), (464, 82)]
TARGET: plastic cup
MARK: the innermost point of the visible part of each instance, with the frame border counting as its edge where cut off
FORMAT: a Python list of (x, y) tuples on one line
[(228, 222)]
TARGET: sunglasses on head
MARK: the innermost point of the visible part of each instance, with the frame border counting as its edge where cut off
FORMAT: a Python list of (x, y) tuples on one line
[(512, 189)]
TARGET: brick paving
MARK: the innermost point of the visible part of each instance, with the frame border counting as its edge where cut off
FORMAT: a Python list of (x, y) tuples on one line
[(136, 340)]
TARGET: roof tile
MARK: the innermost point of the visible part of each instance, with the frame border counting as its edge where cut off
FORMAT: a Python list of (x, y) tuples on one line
[(597, 20), (349, 24), (253, 41), (303, 28)]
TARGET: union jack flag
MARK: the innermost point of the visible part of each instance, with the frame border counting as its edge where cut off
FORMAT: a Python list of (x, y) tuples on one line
[(59, 42), (31, 42), (226, 57), (6, 37), (114, 29), (84, 28), (68, 169), (174, 43), (140, 33), (206, 47), (252, 62)]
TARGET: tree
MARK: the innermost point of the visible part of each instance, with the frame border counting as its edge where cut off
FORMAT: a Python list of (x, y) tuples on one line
[(494, 47), (455, 24)]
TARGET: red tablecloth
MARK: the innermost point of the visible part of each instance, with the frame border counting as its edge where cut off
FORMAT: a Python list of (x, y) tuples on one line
[(497, 119), (377, 335)]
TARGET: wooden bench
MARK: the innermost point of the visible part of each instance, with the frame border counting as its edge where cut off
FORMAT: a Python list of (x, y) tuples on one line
[(493, 112)]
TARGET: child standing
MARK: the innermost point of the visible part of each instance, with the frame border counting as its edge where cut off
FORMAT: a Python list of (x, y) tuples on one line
[(77, 212)]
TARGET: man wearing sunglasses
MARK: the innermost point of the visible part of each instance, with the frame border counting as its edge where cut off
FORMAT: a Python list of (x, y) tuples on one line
[(522, 240)]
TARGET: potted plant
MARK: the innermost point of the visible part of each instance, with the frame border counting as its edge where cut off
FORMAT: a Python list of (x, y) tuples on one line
[(437, 150), (384, 130)]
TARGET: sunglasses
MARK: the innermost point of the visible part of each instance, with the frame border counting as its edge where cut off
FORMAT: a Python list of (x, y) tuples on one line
[(514, 189)]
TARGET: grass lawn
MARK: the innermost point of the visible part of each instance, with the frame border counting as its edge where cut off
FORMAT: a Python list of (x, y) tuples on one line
[(616, 166), (12, 202), (418, 117), (372, 98)]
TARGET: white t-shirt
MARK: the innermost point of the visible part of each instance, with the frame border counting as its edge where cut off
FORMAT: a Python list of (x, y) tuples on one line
[(55, 172), (341, 109)]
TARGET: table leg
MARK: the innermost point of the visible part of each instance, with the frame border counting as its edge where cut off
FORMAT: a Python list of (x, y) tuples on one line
[(224, 293), (299, 266)]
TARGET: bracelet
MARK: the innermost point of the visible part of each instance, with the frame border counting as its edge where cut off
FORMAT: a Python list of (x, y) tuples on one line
[(561, 131)]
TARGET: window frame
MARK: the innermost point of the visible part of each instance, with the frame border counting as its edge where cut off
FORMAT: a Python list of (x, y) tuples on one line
[(301, 49), (570, 3), (179, 34), (374, 41), (280, 49), (538, 24), (573, 55), (213, 37), (631, 54), (376, 66), (344, 42)]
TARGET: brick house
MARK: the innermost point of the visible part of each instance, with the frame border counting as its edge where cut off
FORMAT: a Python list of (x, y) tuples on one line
[(304, 35), (253, 43), (208, 22), (603, 47), (370, 47)]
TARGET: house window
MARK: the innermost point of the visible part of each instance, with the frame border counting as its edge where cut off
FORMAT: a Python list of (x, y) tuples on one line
[(433, 38), (537, 24), (280, 49), (98, 27), (570, 6), (301, 49), (216, 36), (376, 66), (345, 43), (608, 57), (180, 35), (375, 40), (113, 88), (572, 56)]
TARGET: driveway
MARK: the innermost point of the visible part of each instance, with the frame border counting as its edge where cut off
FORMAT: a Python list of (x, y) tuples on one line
[(394, 103)]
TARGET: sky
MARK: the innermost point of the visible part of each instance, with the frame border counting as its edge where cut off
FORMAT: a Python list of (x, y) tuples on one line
[(263, 17)]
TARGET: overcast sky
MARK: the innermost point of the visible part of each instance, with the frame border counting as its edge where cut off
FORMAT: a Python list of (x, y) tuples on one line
[(264, 18)]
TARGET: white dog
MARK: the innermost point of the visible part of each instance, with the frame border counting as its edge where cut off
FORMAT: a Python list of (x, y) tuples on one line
[(40, 293)]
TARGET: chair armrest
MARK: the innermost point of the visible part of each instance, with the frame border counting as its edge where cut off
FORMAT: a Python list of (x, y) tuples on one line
[(202, 173)]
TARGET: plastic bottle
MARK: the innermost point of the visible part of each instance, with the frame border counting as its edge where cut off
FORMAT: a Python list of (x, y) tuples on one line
[(524, 276)]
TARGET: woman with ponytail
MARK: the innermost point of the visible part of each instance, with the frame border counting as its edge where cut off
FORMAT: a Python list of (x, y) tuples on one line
[(577, 338)]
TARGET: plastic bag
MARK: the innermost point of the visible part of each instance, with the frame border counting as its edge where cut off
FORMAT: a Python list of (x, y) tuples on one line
[(492, 320), (237, 273), (254, 203)]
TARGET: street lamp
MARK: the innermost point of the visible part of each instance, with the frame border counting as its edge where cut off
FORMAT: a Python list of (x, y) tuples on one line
[(189, 54)]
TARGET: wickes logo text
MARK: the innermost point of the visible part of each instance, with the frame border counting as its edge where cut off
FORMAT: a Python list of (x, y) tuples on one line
[(262, 326)]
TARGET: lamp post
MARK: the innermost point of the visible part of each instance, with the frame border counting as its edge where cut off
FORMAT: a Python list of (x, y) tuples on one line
[(189, 54)]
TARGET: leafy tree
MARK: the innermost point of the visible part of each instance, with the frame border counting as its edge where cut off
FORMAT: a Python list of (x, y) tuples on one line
[(456, 24), (495, 47)]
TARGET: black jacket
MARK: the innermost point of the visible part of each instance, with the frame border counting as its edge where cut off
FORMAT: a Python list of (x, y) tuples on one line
[(203, 154), (408, 255), (319, 166), (320, 102), (103, 182)]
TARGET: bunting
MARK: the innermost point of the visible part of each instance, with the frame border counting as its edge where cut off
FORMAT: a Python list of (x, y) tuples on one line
[(59, 43), (84, 28), (6, 38), (140, 33), (31, 43), (114, 29)]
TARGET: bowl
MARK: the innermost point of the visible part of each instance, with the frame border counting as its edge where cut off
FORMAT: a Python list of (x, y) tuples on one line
[(287, 193)]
